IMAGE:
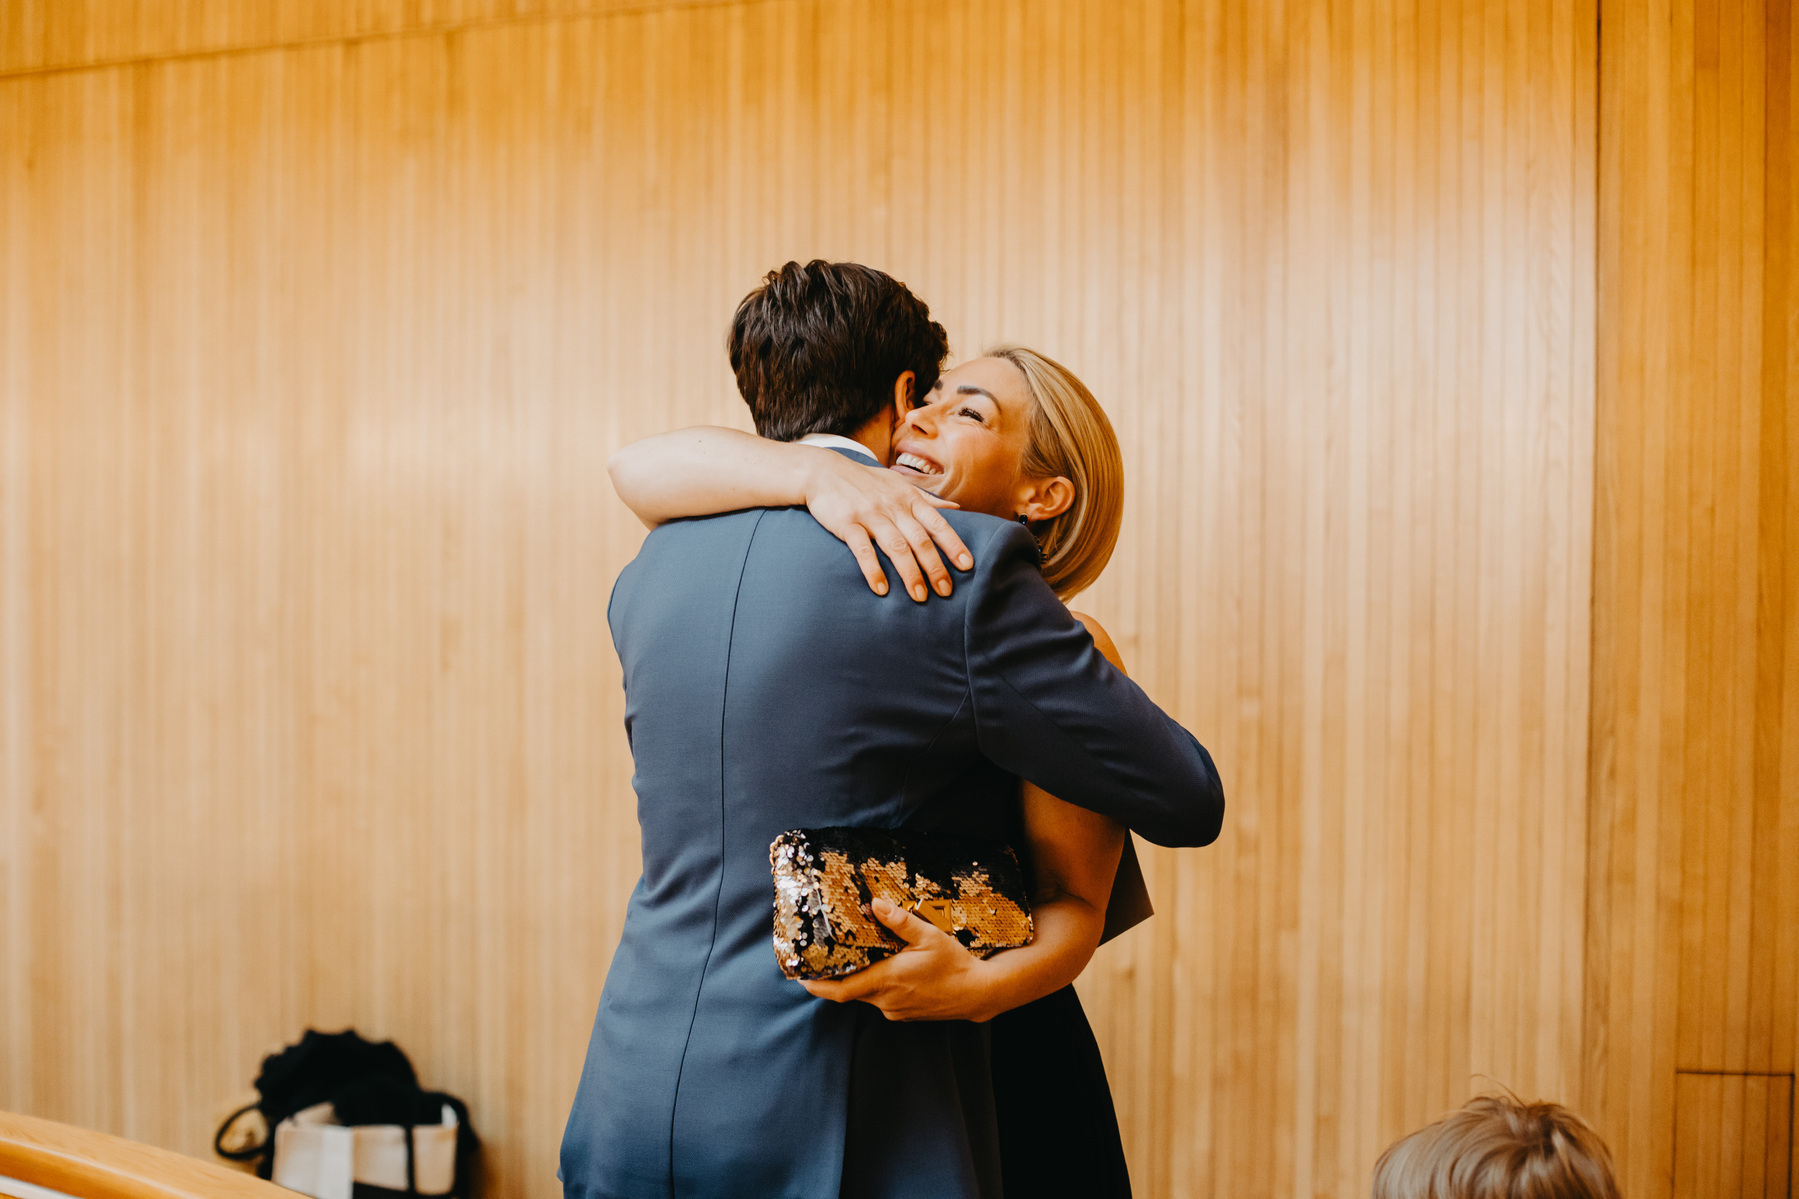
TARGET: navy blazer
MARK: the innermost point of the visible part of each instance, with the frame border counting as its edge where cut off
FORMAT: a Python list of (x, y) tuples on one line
[(768, 689)]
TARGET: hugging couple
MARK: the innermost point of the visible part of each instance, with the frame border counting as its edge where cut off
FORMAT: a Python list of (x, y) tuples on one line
[(771, 683)]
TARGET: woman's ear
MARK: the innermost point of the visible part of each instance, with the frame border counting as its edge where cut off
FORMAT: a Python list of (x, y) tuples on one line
[(1043, 499)]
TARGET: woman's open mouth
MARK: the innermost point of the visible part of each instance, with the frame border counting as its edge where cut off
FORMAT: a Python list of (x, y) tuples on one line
[(917, 464)]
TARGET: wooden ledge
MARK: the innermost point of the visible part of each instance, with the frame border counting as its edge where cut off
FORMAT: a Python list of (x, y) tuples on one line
[(94, 1165)]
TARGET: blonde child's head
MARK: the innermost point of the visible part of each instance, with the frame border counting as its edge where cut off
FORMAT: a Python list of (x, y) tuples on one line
[(1499, 1148)]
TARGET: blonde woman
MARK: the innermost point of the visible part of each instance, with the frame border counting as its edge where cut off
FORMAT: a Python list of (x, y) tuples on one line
[(1016, 435)]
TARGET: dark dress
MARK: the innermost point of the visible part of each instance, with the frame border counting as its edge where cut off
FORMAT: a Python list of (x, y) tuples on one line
[(1058, 1132)]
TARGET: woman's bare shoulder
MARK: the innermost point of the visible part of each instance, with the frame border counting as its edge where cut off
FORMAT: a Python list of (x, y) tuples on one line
[(1101, 639)]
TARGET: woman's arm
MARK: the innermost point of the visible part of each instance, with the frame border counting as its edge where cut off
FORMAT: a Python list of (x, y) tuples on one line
[(1075, 855), (708, 469)]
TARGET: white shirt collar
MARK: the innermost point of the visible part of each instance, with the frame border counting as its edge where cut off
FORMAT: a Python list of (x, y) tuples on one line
[(840, 443)]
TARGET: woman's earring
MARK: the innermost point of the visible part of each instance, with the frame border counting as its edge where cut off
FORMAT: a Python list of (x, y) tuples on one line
[(1026, 522)]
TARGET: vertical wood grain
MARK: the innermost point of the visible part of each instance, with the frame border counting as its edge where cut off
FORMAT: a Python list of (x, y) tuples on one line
[(311, 356), (1692, 958), (38, 36), (1733, 1135)]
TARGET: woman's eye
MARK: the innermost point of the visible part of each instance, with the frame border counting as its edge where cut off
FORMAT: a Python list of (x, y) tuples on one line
[(972, 414)]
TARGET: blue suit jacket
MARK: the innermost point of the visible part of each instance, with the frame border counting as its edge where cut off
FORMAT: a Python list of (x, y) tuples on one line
[(767, 689)]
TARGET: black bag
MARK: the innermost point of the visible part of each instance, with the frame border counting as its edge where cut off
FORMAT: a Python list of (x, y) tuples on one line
[(366, 1084)]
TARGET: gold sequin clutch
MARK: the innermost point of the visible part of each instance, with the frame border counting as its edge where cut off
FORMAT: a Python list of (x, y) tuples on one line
[(826, 878)]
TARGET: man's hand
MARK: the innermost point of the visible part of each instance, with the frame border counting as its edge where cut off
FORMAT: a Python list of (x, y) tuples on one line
[(866, 506), (932, 978)]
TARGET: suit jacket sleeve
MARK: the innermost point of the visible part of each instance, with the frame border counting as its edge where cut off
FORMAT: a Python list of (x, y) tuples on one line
[(1049, 707)]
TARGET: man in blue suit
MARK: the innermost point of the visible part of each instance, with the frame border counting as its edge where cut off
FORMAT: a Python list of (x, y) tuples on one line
[(768, 689)]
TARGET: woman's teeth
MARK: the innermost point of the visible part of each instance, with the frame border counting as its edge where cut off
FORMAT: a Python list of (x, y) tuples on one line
[(913, 462)]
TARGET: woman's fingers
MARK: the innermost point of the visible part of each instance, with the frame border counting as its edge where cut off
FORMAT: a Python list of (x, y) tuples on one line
[(941, 532), (927, 980), (859, 985), (856, 537), (899, 550), (828, 988), (924, 551), (869, 986), (867, 506), (911, 929), (862, 533), (910, 537)]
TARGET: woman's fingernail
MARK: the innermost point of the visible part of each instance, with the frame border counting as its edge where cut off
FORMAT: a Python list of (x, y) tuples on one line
[(881, 587), (966, 562), (918, 593), (943, 587)]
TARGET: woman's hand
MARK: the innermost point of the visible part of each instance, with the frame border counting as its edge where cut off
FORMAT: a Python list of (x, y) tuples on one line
[(932, 978), (866, 506)]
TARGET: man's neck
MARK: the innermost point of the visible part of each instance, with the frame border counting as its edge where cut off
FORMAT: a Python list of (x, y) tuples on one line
[(836, 441), (877, 435)]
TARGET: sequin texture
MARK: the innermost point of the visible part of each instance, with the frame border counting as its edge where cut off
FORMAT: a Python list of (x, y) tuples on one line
[(826, 879)]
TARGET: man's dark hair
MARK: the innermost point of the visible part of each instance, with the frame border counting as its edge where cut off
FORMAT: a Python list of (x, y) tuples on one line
[(816, 348)]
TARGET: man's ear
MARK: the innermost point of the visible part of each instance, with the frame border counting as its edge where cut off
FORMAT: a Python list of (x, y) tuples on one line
[(903, 388), (1042, 499)]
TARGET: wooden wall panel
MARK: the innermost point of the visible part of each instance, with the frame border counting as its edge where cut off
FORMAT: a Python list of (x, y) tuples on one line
[(1733, 1135), (309, 363), (42, 36), (1694, 962)]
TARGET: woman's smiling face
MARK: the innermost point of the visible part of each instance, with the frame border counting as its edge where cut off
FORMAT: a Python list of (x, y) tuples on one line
[(967, 441)]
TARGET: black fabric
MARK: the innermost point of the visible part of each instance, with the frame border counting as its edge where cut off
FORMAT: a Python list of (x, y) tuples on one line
[(915, 1087), (324, 1064), (366, 1082), (1129, 903), (1058, 1130), (378, 1099)]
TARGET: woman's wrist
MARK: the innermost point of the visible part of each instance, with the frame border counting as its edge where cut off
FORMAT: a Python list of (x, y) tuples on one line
[(818, 469), (974, 991), (1068, 930), (990, 988)]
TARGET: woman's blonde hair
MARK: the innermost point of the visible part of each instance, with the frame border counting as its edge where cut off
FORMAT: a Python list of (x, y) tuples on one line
[(1070, 436), (1499, 1148)]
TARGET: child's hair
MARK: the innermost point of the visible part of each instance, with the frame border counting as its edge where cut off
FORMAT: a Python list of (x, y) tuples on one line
[(1499, 1148)]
